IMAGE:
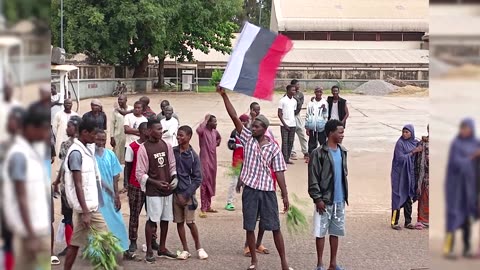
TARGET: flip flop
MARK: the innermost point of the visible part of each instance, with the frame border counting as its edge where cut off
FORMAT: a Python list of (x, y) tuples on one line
[(54, 260), (246, 252), (252, 267), (203, 215), (419, 226), (410, 226), (262, 250), (211, 210)]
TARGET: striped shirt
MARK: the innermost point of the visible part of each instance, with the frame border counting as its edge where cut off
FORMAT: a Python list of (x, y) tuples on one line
[(258, 160)]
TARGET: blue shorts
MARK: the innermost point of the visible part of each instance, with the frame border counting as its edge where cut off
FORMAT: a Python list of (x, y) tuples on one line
[(331, 222)]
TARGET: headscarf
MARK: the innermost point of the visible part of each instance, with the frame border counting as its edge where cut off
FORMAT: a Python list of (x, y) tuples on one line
[(403, 169), (461, 190), (96, 102)]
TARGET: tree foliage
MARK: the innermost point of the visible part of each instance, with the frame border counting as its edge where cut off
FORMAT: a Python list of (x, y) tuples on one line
[(126, 31), (16, 10), (256, 12)]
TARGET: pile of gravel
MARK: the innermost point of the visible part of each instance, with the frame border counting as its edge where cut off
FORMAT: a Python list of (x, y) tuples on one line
[(376, 88)]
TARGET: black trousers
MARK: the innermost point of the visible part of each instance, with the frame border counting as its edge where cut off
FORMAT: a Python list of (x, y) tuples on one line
[(315, 139), (467, 231), (407, 211)]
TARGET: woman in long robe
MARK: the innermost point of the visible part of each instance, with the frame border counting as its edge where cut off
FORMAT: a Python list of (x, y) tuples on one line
[(209, 139), (422, 176), (403, 177), (461, 187), (110, 170)]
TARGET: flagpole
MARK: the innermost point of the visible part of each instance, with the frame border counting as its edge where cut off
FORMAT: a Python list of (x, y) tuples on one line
[(260, 16)]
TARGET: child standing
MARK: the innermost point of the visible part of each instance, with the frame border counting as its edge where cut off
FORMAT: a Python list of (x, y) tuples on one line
[(328, 187), (189, 175), (237, 160)]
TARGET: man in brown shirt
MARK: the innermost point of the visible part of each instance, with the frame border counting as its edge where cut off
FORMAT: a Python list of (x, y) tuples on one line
[(156, 171)]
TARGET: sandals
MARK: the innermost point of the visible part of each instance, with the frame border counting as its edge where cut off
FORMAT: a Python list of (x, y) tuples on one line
[(252, 267), (130, 256), (54, 260), (203, 214), (246, 252), (262, 250), (396, 227), (211, 210), (410, 226), (183, 255), (419, 226)]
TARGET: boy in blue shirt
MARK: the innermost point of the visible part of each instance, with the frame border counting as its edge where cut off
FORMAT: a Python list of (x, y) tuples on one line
[(328, 187)]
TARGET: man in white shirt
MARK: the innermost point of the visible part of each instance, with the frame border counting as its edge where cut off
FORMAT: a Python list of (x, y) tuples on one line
[(117, 130), (286, 114), (132, 121), (60, 123), (317, 117), (6, 105), (131, 124), (170, 126)]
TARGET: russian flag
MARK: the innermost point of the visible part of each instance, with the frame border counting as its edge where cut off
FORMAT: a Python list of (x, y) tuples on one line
[(255, 59)]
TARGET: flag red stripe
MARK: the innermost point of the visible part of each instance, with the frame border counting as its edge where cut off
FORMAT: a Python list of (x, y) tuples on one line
[(269, 65)]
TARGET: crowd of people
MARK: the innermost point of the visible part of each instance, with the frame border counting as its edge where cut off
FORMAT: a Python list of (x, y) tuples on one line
[(162, 173)]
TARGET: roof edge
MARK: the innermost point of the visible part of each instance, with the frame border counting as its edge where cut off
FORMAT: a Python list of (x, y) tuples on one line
[(335, 24)]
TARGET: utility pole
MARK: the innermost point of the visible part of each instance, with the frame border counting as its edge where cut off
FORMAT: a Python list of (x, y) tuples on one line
[(260, 15), (61, 24)]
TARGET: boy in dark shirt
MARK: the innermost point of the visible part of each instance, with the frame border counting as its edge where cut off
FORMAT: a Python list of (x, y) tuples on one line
[(189, 174)]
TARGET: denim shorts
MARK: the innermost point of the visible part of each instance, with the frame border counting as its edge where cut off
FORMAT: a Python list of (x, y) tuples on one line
[(331, 222)]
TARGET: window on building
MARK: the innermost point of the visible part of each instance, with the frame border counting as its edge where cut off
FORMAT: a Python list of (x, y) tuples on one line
[(413, 36), (295, 35), (390, 36), (341, 35), (316, 35), (365, 36)]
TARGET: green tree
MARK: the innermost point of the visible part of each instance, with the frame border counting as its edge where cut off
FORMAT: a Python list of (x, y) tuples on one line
[(16, 10), (256, 12), (127, 32)]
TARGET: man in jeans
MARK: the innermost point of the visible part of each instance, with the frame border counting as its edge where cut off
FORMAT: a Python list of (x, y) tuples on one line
[(259, 197), (328, 187), (300, 122)]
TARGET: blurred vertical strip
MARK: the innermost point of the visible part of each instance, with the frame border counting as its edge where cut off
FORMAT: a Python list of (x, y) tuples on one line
[(24, 67), (454, 39)]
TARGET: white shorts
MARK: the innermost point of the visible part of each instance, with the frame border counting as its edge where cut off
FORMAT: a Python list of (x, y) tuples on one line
[(331, 222), (159, 208)]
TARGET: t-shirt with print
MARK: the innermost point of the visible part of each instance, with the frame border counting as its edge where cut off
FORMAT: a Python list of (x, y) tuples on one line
[(288, 107), (133, 122), (338, 191)]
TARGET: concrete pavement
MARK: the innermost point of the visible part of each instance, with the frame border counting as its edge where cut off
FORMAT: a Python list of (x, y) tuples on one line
[(372, 130)]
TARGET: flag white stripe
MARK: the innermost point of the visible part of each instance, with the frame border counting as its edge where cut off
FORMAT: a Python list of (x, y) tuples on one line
[(234, 66)]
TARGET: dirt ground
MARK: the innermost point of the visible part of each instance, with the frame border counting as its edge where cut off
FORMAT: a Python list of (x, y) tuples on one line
[(372, 130)]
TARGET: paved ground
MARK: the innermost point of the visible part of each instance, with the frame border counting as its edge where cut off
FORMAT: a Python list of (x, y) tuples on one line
[(373, 129)]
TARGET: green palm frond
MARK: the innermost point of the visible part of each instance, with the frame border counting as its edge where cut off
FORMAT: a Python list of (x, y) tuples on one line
[(297, 222), (102, 250)]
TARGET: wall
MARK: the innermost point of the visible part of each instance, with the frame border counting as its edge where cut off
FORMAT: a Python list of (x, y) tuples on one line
[(90, 88), (35, 68)]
